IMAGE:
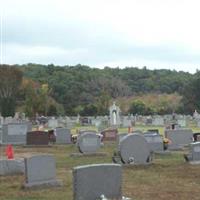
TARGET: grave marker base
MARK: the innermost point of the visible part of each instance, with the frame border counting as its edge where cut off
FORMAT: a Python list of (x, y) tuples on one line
[(43, 184)]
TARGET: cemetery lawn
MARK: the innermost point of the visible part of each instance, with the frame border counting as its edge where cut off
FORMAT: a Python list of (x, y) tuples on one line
[(169, 177)]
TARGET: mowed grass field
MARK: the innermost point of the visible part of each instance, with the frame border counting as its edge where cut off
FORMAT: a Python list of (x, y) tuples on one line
[(168, 177)]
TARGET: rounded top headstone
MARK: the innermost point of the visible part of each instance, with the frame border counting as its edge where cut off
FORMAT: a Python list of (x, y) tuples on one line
[(88, 142), (134, 149)]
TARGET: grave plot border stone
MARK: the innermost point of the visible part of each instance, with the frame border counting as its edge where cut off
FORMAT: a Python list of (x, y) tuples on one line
[(91, 181)]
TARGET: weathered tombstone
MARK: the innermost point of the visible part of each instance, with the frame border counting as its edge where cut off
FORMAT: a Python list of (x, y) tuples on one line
[(114, 115), (15, 133), (40, 170), (194, 154), (88, 142), (134, 149), (92, 181), (11, 167), (155, 141), (178, 138), (52, 123), (109, 134), (37, 138), (63, 136)]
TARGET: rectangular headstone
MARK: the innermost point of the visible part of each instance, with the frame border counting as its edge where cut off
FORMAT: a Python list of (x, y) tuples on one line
[(63, 136), (15, 133), (155, 142), (109, 135), (178, 138), (91, 181), (37, 138), (11, 167), (40, 170)]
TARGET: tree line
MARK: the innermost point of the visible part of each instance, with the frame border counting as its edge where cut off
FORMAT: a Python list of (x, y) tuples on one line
[(59, 90)]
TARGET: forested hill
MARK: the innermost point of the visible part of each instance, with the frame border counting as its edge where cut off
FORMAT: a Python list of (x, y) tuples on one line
[(75, 87), (116, 81)]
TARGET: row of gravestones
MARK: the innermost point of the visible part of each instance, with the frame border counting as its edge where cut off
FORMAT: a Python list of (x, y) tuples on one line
[(137, 148), (89, 182), (20, 133), (90, 142)]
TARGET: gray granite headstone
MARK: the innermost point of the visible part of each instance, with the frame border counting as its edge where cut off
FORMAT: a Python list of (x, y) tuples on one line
[(40, 170), (179, 138), (11, 167), (15, 133), (88, 142), (194, 154), (134, 149), (63, 136), (91, 181), (155, 142)]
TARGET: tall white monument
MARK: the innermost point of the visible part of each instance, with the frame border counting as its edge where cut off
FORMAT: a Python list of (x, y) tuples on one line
[(114, 115)]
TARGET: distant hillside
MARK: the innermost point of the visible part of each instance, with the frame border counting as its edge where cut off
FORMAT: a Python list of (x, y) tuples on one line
[(75, 87)]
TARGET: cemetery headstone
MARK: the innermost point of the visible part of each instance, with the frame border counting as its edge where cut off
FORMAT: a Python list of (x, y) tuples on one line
[(181, 122), (37, 138), (155, 141), (11, 167), (158, 121), (15, 133), (178, 138), (127, 122), (52, 123), (134, 149), (88, 142), (63, 136), (92, 181), (194, 154), (40, 170), (109, 134)]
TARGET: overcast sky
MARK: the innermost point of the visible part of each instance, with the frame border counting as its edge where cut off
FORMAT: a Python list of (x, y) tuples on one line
[(153, 33)]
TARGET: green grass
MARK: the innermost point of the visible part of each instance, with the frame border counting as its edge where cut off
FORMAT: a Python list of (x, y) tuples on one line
[(168, 177)]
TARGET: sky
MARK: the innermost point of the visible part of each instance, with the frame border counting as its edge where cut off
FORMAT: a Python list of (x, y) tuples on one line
[(158, 34)]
